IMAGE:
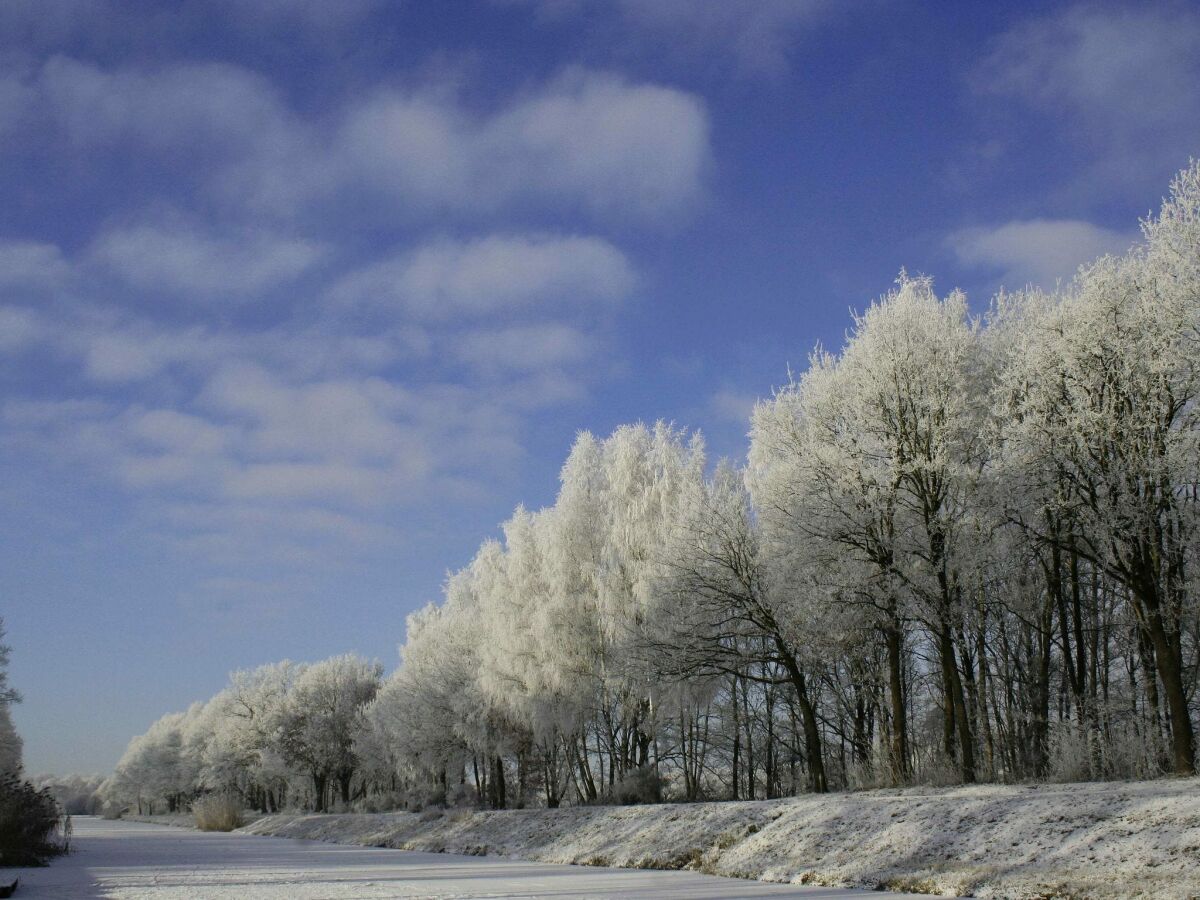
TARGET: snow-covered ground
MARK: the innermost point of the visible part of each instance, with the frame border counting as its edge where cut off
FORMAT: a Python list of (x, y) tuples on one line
[(138, 861), (1138, 839)]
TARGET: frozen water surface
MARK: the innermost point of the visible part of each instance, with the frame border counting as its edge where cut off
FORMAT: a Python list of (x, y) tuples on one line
[(140, 861)]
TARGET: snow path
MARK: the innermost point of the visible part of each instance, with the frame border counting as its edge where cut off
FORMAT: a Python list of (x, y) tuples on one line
[(156, 862)]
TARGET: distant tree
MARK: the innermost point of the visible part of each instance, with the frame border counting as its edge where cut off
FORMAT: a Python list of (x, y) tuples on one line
[(1104, 417), (721, 614), (961, 548), (10, 744), (324, 713), (10, 741), (78, 795)]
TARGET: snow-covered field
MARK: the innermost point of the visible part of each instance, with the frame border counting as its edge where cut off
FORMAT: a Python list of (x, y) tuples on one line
[(1139, 839), (138, 861)]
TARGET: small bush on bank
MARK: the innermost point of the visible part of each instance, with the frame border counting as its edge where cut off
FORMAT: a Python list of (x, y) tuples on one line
[(423, 797), (379, 803), (217, 812), (640, 785), (32, 827)]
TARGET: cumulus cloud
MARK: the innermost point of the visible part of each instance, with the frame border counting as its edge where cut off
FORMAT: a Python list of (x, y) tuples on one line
[(358, 442), (249, 418), (31, 264), (1123, 83), (214, 107), (19, 328), (1037, 251), (318, 14), (52, 23), (523, 348), (1113, 65), (499, 274), (231, 339), (732, 406), (757, 38), (582, 141), (173, 431), (343, 418), (179, 260), (585, 140), (137, 352)]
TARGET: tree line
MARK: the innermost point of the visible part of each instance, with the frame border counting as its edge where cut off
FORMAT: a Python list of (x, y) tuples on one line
[(961, 548), (33, 825)]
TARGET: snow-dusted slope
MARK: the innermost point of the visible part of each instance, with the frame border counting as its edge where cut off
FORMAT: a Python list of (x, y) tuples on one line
[(135, 861), (1082, 840)]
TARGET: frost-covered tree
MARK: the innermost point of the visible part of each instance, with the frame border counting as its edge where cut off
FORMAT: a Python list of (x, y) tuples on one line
[(722, 614), (10, 744), (648, 476), (151, 773), (77, 795), (324, 711), (960, 548), (10, 741), (244, 725), (873, 454), (518, 672), (1103, 426)]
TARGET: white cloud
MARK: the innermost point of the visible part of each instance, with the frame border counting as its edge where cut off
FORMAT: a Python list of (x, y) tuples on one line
[(617, 147), (320, 15), (336, 419), (346, 446), (51, 413), (1036, 251), (263, 417), (112, 348), (31, 264), (179, 107), (583, 141), (447, 280), (177, 259), (523, 348), (248, 518), (732, 406), (1122, 83), (756, 37), (1125, 66), (44, 24), (173, 431), (19, 328), (136, 351)]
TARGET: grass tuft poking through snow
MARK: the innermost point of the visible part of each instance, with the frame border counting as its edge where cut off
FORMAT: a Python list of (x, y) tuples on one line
[(1136, 839), (217, 812)]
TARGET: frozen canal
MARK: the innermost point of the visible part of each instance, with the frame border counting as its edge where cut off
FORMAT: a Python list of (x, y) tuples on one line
[(134, 860)]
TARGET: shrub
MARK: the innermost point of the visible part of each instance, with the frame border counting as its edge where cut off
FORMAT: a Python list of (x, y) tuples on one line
[(379, 803), (32, 827), (1077, 754), (217, 812), (937, 771), (641, 785), (424, 796)]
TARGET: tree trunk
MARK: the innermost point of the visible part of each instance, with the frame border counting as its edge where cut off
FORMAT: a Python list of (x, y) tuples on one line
[(953, 685), (320, 780), (899, 744), (808, 718)]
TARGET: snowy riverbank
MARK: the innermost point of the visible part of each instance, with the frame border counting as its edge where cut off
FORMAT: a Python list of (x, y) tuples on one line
[(1139, 839), (120, 860)]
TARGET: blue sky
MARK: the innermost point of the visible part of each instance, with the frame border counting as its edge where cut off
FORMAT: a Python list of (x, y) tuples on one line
[(299, 299)]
